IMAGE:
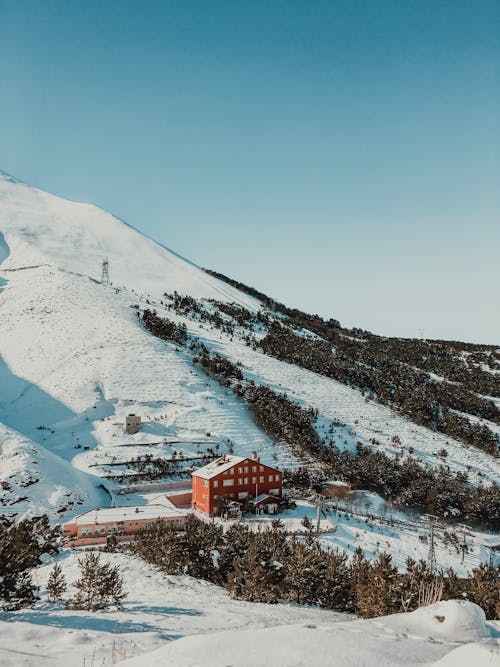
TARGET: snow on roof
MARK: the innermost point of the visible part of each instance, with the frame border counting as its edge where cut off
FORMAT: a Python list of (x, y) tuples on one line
[(225, 462), (138, 512), (263, 497), (337, 482)]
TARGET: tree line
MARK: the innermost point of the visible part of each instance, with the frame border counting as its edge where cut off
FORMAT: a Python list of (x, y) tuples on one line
[(414, 393), (270, 566)]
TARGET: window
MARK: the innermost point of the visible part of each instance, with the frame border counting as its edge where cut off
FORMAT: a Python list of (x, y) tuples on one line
[(246, 469), (240, 470), (231, 472), (254, 480), (270, 478), (261, 468), (261, 479), (242, 495), (216, 484), (86, 531), (246, 480), (228, 482), (205, 483), (277, 478), (254, 468), (240, 480), (274, 492), (215, 497)]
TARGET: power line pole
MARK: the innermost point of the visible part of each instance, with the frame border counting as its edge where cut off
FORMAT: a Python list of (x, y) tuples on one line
[(105, 272), (431, 555), (465, 534), (319, 506)]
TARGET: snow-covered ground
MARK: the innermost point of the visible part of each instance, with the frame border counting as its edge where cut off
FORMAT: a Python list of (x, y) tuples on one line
[(179, 621), (74, 360)]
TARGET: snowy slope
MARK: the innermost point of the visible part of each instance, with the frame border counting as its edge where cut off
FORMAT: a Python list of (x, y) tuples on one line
[(412, 639), (180, 622), (40, 228), (74, 359), (34, 481)]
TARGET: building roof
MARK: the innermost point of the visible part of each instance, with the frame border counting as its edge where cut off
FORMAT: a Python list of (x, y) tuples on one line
[(214, 468), (138, 512), (264, 498)]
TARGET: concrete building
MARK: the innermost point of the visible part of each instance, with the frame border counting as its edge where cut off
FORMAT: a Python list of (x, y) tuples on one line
[(96, 526), (132, 423)]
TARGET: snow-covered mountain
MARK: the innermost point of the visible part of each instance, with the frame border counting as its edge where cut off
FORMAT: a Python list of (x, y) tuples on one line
[(74, 359)]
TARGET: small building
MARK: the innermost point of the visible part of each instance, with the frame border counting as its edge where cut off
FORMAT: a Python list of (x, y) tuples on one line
[(132, 423), (264, 503), (96, 526), (234, 478), (337, 489)]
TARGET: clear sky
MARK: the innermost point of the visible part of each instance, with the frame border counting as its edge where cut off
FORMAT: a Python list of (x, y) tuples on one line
[(343, 157)]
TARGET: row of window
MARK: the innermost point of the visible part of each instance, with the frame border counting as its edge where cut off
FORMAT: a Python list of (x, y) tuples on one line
[(243, 470), (86, 531), (242, 481)]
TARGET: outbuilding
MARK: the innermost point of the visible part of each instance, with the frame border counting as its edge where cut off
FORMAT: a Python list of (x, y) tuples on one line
[(96, 526)]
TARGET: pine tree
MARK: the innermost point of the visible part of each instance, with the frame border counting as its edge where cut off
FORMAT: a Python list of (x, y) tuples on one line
[(303, 575), (56, 584), (88, 596), (259, 575), (336, 589), (99, 585), (378, 591), (111, 587), (417, 575), (21, 547), (484, 589)]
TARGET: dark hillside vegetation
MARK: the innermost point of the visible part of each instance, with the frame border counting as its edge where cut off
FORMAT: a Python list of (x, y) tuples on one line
[(270, 566), (409, 484), (430, 382)]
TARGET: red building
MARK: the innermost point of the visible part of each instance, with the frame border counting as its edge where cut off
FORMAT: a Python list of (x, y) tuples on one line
[(234, 478)]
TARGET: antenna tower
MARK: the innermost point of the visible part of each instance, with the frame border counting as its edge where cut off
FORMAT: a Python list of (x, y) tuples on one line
[(105, 272)]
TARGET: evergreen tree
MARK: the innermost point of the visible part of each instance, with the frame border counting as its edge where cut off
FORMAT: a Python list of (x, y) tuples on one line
[(378, 590), (259, 575), (335, 588), (484, 589), (111, 586), (22, 545), (56, 584), (99, 585), (416, 577), (303, 574)]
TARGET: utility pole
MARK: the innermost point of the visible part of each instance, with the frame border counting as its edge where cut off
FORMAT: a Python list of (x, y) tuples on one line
[(465, 534), (319, 506), (431, 555), (105, 272)]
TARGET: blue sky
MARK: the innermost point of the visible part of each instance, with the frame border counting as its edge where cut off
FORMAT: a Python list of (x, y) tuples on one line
[(343, 157)]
